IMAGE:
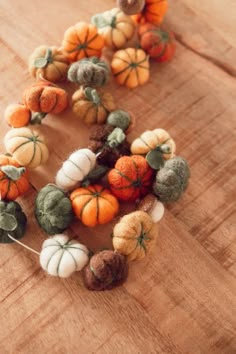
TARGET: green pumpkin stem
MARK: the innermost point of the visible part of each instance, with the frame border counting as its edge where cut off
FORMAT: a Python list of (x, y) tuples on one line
[(92, 95), (12, 172), (48, 55), (37, 117)]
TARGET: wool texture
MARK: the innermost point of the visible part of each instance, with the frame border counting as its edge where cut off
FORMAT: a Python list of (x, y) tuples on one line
[(12, 221), (120, 119), (17, 115)]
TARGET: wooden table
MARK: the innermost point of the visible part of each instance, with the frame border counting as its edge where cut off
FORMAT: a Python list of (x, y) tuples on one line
[(181, 299)]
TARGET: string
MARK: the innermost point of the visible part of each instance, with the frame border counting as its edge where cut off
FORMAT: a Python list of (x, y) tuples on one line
[(23, 245)]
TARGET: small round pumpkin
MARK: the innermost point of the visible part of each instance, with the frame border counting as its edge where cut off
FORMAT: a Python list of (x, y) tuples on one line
[(131, 178), (115, 26), (119, 119), (17, 115), (82, 40), (12, 221), (157, 42), (92, 105), (134, 235), (153, 12), (27, 147), (75, 168), (131, 7), (106, 270), (61, 257), (53, 210), (94, 205), (48, 62), (14, 180), (172, 180), (89, 72), (130, 67)]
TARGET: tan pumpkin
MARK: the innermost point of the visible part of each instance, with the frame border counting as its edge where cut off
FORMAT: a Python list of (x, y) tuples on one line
[(48, 62), (115, 26), (27, 147), (92, 105), (134, 235)]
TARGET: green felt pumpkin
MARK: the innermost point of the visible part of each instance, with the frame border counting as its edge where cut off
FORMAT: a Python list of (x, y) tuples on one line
[(172, 180), (53, 210), (12, 221)]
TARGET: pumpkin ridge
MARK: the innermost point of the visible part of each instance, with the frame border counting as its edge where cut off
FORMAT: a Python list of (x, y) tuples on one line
[(122, 71), (55, 104), (59, 263), (125, 61), (72, 256), (41, 153), (136, 169), (19, 146), (32, 158), (97, 211), (106, 201), (73, 180), (8, 188), (58, 249), (124, 176), (145, 143), (73, 163), (82, 210), (77, 248)]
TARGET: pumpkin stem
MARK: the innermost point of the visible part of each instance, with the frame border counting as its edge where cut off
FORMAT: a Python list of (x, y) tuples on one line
[(12, 172), (37, 117), (23, 245), (116, 137), (92, 95), (48, 56), (164, 148)]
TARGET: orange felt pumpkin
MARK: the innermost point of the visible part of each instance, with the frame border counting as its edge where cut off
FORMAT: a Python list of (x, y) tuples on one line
[(130, 67), (153, 11), (17, 115), (131, 178), (13, 179), (82, 40), (157, 42), (94, 205)]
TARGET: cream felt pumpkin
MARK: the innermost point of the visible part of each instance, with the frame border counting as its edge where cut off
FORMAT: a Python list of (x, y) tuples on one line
[(75, 168), (27, 147), (62, 257), (115, 26)]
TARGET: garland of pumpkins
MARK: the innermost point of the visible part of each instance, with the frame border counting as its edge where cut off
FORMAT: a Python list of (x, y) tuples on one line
[(147, 171)]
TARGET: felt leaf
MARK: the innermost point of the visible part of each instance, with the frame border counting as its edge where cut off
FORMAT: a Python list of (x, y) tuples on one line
[(12, 172), (116, 137), (100, 21), (8, 222), (155, 159), (96, 174), (92, 95), (40, 62)]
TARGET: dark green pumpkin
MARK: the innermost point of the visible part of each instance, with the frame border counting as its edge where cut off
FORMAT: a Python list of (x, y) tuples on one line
[(53, 210), (12, 221), (172, 179)]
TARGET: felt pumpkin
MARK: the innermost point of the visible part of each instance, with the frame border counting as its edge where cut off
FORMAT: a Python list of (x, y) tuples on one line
[(12, 221), (26, 146), (157, 42), (130, 67), (17, 115), (172, 180), (119, 119), (82, 40), (53, 210), (92, 105), (13, 179), (48, 62), (131, 7), (105, 271), (61, 257), (89, 72), (131, 178), (153, 207), (45, 98), (134, 235), (115, 26), (94, 205), (153, 12), (75, 168)]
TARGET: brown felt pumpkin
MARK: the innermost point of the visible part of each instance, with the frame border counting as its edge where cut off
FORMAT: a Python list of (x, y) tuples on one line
[(13, 179), (17, 115), (94, 205), (45, 98), (157, 42), (26, 146), (153, 12), (131, 178), (92, 105), (115, 26), (130, 67), (48, 62), (82, 40), (131, 7), (134, 235)]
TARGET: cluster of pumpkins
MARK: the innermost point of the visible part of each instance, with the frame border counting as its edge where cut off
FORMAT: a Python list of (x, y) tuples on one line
[(146, 171)]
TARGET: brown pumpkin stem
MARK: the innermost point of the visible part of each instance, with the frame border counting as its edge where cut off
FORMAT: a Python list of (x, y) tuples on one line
[(12, 172), (37, 117)]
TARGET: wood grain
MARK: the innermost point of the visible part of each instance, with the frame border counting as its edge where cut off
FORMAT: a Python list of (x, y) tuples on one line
[(181, 299)]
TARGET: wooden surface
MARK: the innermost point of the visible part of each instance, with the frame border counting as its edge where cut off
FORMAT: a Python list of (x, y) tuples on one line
[(182, 299)]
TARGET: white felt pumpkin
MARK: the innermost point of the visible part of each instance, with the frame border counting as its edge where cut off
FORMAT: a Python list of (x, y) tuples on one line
[(76, 168), (61, 257)]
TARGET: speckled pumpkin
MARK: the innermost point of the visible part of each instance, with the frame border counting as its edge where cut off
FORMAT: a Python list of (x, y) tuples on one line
[(130, 67), (153, 12), (92, 105), (115, 26), (134, 235), (48, 62)]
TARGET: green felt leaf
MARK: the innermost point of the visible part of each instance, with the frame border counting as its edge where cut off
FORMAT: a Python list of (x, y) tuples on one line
[(116, 137), (96, 174), (100, 21), (13, 172), (92, 95), (40, 62), (8, 222), (155, 159), (165, 149)]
